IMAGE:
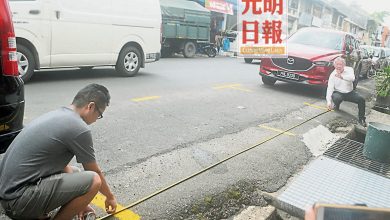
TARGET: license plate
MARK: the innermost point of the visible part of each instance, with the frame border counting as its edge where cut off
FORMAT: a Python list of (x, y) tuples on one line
[(287, 75)]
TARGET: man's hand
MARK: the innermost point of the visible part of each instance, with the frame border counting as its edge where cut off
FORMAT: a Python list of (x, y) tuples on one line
[(330, 106), (110, 202), (85, 211), (110, 205), (310, 214)]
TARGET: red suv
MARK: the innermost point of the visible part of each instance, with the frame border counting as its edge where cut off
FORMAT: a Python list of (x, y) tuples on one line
[(11, 86), (311, 52)]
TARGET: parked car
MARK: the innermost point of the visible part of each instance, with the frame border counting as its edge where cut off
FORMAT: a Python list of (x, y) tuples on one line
[(367, 69), (11, 86), (387, 59), (72, 33), (378, 56), (311, 52)]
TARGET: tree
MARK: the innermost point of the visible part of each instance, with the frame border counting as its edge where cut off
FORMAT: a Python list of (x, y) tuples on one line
[(380, 15)]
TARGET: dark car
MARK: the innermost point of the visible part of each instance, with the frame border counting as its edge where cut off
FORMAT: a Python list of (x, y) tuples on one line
[(387, 53), (366, 68), (378, 57), (11, 86), (311, 52)]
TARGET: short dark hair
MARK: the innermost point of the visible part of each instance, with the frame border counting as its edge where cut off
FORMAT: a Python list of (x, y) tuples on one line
[(92, 93)]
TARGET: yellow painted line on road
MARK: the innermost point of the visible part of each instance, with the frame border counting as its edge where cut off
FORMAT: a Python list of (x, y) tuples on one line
[(147, 98), (124, 215), (364, 88), (316, 106), (226, 86), (277, 130), (232, 86)]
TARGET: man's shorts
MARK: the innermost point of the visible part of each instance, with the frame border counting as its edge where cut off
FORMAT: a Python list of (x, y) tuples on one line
[(48, 194)]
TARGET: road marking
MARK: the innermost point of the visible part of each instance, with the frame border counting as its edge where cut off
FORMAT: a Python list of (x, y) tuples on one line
[(277, 130), (124, 215), (147, 98), (232, 86), (226, 86), (316, 106), (364, 88)]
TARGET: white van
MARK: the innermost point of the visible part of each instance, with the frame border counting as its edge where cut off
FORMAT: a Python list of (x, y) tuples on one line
[(86, 33)]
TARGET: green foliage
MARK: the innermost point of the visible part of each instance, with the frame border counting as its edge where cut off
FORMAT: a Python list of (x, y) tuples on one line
[(234, 194), (383, 82), (380, 15), (208, 200)]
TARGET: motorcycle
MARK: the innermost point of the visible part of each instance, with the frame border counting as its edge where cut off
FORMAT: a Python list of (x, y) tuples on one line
[(371, 72), (373, 68), (207, 49)]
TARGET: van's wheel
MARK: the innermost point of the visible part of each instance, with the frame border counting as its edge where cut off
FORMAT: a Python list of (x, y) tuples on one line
[(129, 61), (248, 60), (268, 81), (189, 49), (26, 62)]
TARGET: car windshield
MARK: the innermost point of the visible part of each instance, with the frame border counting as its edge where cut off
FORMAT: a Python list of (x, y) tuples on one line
[(330, 40), (370, 50)]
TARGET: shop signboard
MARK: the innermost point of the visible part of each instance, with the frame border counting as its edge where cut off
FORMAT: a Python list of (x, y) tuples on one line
[(263, 28), (219, 6)]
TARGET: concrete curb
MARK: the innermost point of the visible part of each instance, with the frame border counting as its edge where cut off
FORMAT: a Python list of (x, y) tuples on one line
[(278, 205)]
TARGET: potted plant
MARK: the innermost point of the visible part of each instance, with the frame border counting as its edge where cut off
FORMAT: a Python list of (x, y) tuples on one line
[(383, 89)]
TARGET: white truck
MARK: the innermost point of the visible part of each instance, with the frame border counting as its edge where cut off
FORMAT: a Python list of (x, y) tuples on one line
[(86, 33)]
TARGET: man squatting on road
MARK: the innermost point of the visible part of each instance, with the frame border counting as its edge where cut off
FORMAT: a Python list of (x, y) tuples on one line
[(35, 176), (340, 88)]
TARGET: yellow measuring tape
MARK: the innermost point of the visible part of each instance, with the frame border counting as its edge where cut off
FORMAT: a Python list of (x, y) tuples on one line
[(209, 167)]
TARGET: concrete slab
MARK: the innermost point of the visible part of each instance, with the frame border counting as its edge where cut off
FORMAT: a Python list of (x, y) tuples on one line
[(319, 139), (256, 213)]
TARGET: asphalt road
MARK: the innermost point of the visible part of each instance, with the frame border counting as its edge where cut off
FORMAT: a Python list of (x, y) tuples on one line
[(179, 116)]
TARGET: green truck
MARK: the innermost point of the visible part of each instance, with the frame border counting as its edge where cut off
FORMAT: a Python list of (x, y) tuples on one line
[(185, 25)]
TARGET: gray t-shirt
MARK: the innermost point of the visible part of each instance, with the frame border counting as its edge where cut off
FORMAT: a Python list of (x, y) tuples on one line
[(43, 148)]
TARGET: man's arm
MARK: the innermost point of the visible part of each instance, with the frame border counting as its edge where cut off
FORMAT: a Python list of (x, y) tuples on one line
[(329, 91), (105, 189), (349, 74), (68, 169)]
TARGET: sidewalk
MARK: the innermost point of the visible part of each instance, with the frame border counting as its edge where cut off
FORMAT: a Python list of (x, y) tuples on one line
[(269, 212)]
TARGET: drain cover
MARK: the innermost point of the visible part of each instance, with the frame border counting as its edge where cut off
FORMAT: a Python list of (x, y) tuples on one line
[(351, 152), (330, 181)]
